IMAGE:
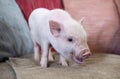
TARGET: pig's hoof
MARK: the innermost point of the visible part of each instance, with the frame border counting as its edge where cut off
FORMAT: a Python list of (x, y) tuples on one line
[(36, 61), (65, 64), (43, 64)]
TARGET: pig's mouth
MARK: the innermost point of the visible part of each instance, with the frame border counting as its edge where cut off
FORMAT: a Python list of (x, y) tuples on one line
[(78, 60)]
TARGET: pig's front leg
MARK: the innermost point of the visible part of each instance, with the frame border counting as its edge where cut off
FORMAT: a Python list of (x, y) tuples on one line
[(63, 61), (44, 56), (36, 54), (36, 50)]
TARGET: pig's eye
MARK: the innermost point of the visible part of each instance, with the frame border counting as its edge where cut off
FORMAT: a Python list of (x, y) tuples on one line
[(70, 40)]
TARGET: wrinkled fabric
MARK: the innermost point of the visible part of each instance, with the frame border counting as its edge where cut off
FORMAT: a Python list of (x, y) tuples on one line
[(101, 22), (117, 2), (15, 37), (27, 6)]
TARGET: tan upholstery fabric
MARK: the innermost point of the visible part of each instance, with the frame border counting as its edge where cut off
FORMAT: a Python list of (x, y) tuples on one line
[(98, 66), (6, 71)]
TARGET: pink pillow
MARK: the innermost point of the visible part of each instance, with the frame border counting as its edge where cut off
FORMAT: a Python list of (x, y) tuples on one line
[(27, 6), (102, 22)]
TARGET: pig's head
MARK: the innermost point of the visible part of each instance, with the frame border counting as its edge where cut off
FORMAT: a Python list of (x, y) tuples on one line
[(70, 40)]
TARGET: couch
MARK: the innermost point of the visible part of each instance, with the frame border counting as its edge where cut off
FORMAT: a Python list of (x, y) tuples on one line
[(102, 24)]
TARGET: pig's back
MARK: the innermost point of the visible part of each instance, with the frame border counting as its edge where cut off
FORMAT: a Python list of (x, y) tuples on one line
[(38, 22), (59, 15), (38, 17)]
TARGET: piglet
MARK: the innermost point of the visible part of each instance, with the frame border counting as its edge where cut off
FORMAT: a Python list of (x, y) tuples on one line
[(58, 29)]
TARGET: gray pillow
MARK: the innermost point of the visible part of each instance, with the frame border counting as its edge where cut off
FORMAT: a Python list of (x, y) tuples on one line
[(15, 37)]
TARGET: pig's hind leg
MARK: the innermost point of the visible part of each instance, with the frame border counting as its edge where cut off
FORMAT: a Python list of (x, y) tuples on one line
[(36, 54), (36, 49), (50, 56)]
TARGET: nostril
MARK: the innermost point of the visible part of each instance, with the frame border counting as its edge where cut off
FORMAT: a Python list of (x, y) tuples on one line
[(84, 51), (86, 55)]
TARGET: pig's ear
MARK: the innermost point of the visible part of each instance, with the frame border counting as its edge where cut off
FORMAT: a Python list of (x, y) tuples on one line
[(55, 28), (81, 20)]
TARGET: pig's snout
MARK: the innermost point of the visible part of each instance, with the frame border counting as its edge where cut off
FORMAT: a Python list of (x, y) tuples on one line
[(83, 55), (86, 53)]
